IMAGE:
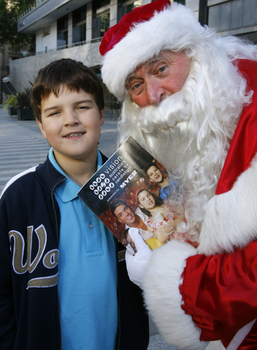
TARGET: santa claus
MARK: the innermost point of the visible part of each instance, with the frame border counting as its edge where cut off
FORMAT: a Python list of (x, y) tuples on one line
[(189, 97)]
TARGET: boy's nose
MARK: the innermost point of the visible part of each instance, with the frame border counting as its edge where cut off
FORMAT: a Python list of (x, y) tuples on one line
[(71, 118)]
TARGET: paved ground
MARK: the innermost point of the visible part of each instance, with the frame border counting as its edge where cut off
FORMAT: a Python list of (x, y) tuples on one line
[(22, 146)]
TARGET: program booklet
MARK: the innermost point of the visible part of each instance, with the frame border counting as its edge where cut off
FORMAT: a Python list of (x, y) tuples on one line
[(127, 179)]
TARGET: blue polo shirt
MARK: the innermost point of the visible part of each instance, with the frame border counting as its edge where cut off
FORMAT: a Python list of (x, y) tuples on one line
[(87, 273)]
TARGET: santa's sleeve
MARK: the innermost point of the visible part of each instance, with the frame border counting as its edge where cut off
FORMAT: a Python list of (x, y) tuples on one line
[(195, 298)]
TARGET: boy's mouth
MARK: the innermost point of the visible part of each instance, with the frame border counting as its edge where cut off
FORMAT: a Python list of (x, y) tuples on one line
[(74, 134)]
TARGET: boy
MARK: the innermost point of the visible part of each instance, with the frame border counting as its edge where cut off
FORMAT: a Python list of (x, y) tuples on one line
[(60, 268)]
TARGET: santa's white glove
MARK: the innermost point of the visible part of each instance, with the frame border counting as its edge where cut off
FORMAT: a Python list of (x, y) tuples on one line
[(137, 263)]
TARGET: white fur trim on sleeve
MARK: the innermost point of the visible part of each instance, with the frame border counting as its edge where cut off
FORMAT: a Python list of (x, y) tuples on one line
[(231, 218), (163, 299)]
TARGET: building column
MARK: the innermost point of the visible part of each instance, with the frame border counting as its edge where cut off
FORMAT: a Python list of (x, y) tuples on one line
[(113, 12), (70, 29), (144, 2), (89, 21)]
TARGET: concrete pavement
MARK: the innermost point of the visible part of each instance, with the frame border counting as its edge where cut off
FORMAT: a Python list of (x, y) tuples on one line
[(23, 146)]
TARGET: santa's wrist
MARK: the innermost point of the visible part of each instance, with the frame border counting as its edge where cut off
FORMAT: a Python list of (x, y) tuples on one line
[(160, 285)]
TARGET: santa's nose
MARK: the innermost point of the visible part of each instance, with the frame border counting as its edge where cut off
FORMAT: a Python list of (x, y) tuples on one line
[(155, 93)]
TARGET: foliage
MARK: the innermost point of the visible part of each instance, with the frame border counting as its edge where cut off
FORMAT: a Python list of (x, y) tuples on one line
[(23, 99), (9, 10), (11, 101)]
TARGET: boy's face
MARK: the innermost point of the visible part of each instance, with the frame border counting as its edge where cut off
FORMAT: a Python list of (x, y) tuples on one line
[(154, 174), (72, 124)]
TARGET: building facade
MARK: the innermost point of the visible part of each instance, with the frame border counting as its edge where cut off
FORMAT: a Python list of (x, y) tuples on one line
[(74, 28)]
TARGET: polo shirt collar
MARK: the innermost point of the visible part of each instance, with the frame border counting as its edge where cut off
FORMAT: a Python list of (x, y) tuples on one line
[(67, 190)]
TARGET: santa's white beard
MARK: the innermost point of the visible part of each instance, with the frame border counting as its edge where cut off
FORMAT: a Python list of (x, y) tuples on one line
[(189, 133)]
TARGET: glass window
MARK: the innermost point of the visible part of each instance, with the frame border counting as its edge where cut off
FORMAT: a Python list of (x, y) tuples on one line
[(79, 24), (127, 6), (214, 17), (100, 25), (101, 18), (249, 13), (225, 10), (236, 14), (233, 14), (62, 31)]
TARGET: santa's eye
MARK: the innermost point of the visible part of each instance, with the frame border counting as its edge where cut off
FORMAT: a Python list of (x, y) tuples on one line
[(162, 69)]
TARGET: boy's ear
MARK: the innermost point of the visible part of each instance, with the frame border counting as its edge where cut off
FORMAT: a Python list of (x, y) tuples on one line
[(41, 128), (102, 117)]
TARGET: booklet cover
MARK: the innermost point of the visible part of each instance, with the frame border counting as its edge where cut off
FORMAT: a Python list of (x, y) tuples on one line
[(132, 190)]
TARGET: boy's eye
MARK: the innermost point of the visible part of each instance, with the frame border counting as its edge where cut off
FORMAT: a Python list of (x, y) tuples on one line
[(54, 113), (83, 107)]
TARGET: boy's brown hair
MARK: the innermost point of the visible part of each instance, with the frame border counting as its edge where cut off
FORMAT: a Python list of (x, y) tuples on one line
[(66, 72)]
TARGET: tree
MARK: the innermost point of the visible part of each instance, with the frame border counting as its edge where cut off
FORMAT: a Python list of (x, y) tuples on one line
[(9, 11)]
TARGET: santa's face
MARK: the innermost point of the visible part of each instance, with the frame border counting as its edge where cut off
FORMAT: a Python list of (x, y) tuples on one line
[(161, 76)]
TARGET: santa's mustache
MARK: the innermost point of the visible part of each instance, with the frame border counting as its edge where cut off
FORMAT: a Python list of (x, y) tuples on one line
[(173, 109)]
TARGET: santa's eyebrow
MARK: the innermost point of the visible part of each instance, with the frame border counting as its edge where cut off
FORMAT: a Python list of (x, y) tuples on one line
[(154, 60), (151, 61), (130, 77)]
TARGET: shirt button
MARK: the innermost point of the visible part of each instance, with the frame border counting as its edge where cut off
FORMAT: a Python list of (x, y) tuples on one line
[(91, 225)]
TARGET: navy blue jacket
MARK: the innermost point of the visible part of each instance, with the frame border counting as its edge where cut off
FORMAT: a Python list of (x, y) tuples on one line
[(29, 235)]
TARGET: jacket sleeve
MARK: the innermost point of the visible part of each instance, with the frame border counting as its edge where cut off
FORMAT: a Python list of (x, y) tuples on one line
[(195, 298), (7, 315)]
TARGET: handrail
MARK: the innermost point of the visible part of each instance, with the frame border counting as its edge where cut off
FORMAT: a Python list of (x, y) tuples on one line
[(68, 46), (31, 8)]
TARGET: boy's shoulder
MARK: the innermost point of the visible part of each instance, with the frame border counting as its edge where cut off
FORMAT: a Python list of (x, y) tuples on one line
[(42, 176), (21, 178)]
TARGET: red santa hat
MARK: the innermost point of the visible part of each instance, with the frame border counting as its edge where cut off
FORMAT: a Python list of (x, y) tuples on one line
[(140, 35)]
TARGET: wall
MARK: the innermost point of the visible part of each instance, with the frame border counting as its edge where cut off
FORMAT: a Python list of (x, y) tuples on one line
[(48, 40)]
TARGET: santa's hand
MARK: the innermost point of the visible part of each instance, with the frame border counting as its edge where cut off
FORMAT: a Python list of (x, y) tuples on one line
[(137, 263)]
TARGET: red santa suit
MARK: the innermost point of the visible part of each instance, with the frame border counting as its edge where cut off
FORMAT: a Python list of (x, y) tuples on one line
[(218, 291), (196, 296)]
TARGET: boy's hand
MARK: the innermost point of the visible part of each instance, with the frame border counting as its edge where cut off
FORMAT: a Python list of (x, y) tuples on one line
[(137, 263)]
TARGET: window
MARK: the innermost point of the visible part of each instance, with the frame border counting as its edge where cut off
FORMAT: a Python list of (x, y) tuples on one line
[(101, 18), (62, 31), (233, 15), (127, 6), (79, 18)]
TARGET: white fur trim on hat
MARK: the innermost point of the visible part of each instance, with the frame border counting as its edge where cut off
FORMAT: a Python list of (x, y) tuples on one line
[(163, 299), (165, 30), (231, 219)]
